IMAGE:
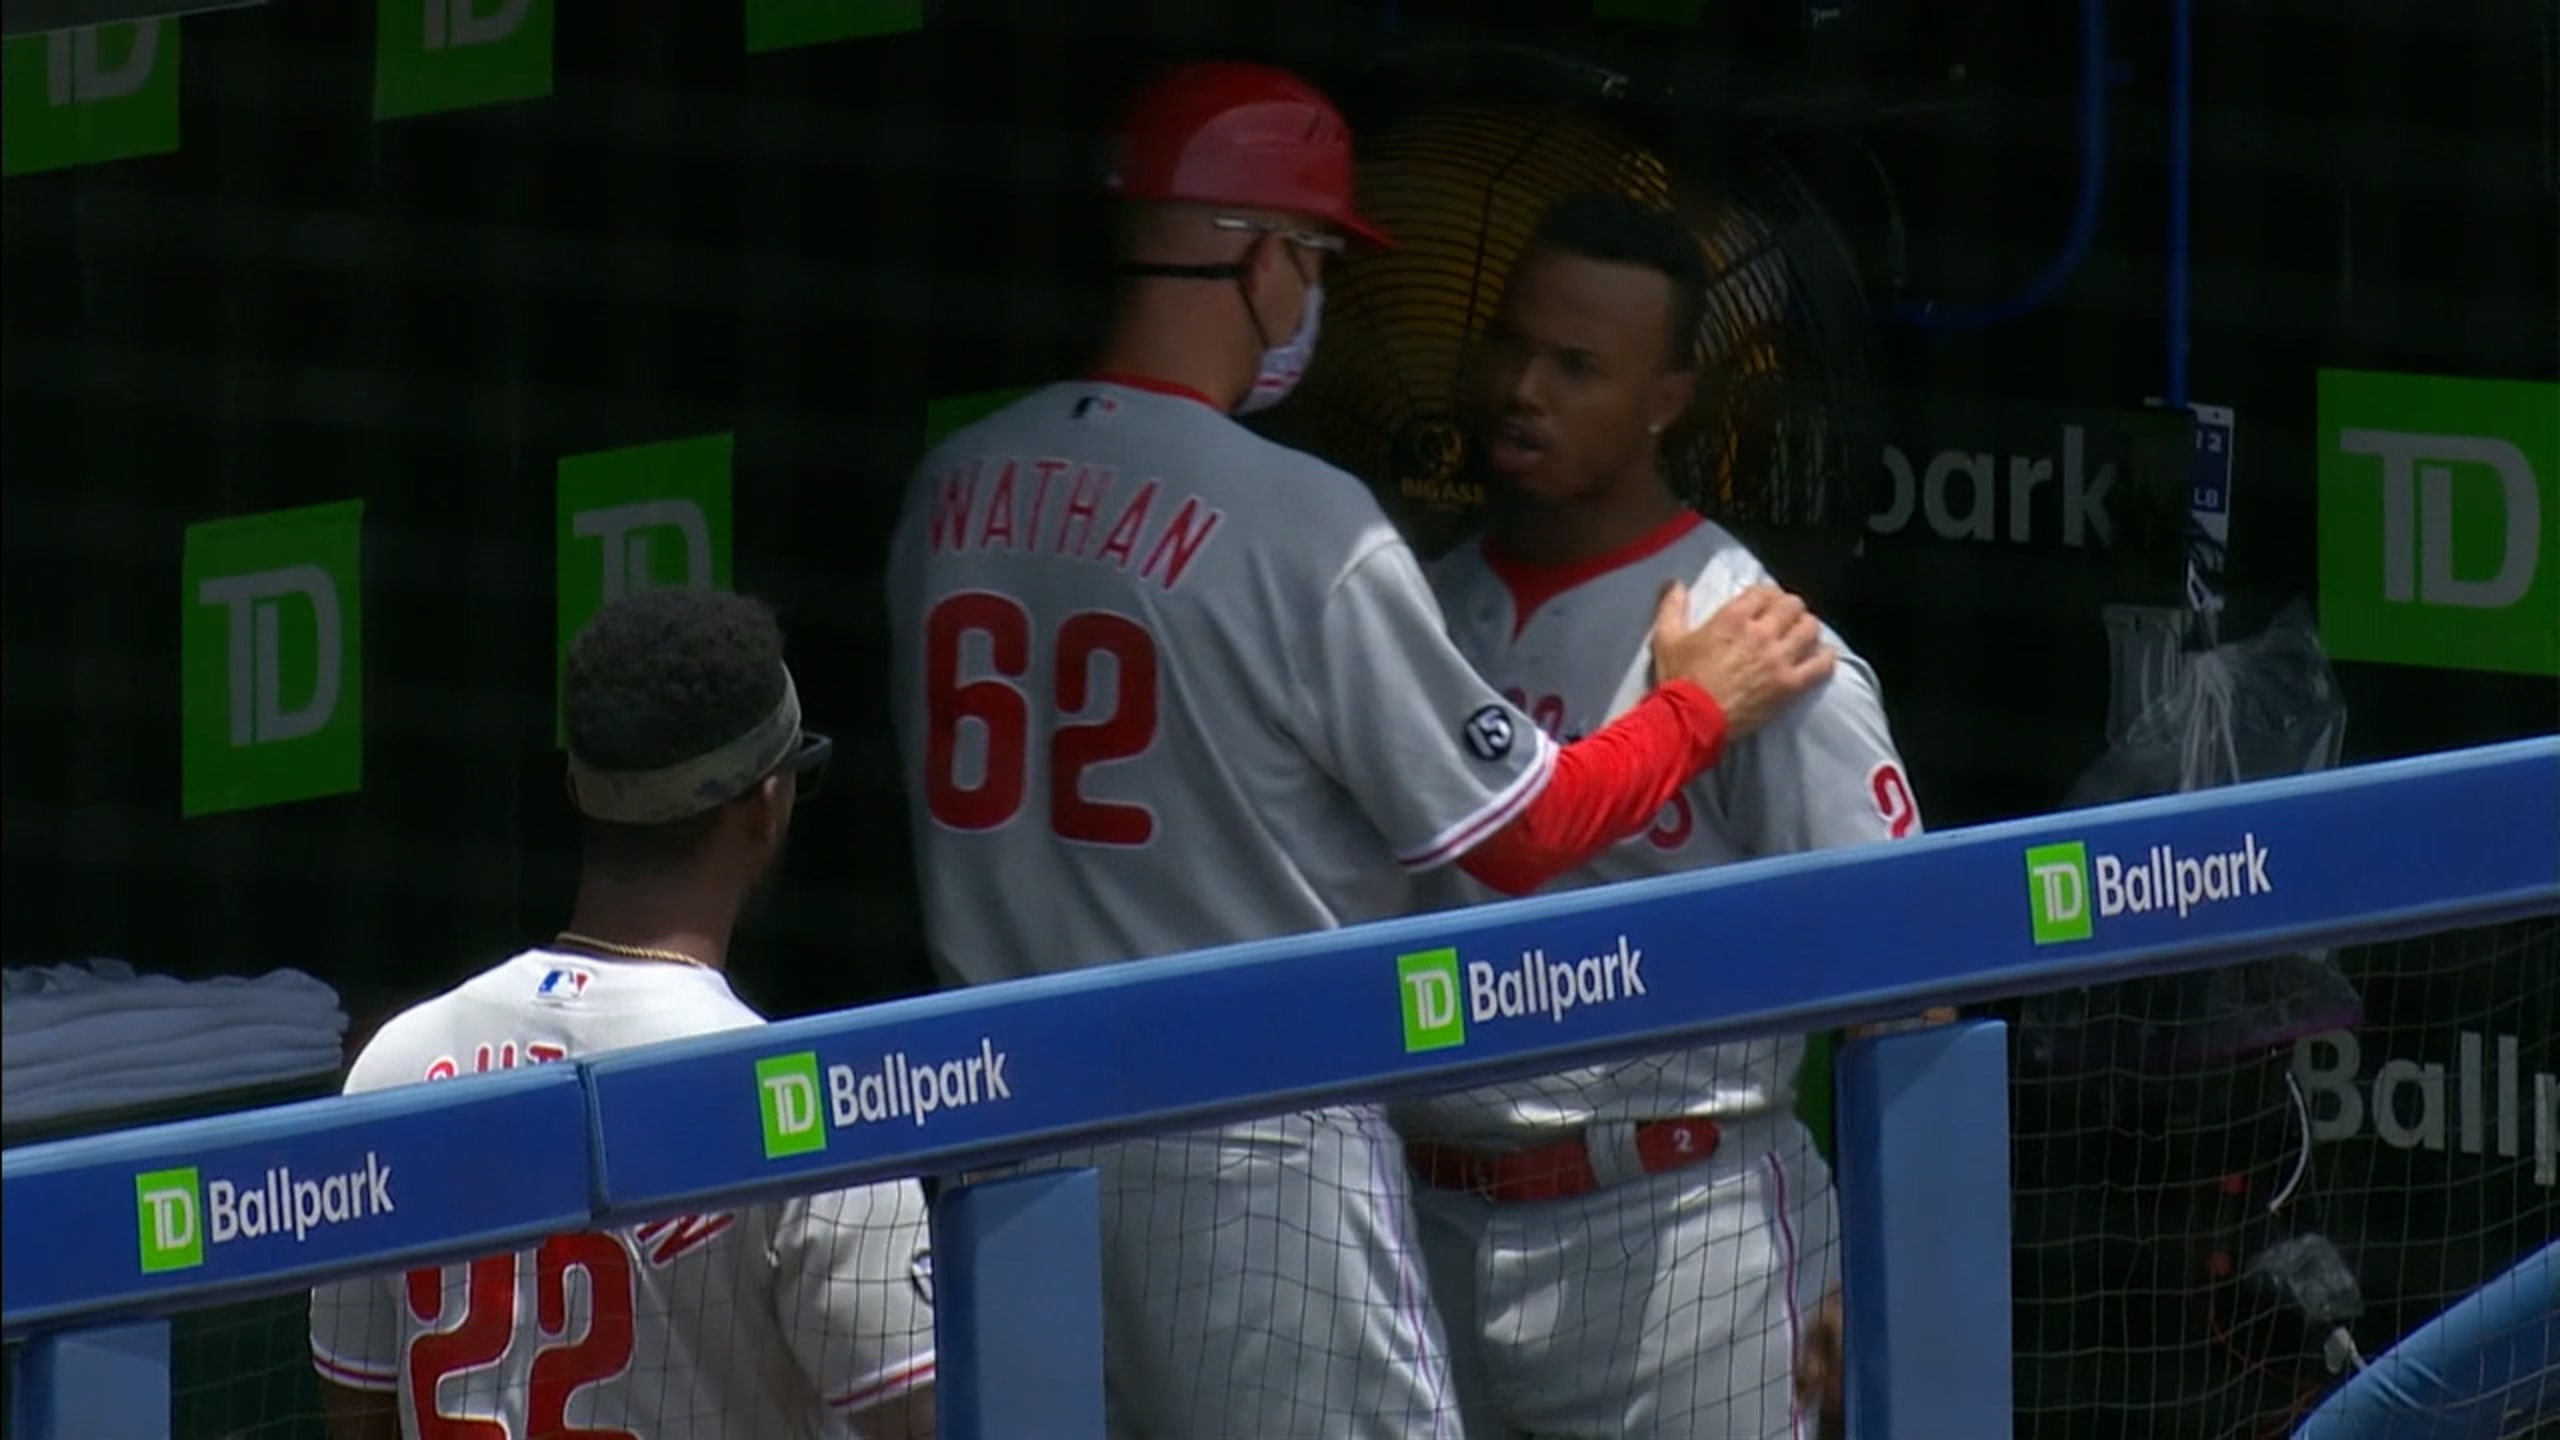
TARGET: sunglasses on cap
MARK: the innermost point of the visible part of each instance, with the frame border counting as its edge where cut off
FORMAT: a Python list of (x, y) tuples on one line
[(807, 765), (1330, 246)]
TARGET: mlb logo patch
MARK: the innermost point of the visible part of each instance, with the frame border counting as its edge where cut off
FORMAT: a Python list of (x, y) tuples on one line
[(1095, 407), (563, 983)]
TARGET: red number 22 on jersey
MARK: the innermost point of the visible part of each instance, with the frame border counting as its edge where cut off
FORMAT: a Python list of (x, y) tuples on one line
[(486, 1330), (1001, 711)]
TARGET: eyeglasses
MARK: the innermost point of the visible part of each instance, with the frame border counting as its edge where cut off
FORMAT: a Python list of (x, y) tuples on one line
[(1315, 240)]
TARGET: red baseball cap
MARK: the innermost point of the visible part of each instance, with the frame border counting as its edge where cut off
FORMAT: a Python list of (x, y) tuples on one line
[(1251, 136)]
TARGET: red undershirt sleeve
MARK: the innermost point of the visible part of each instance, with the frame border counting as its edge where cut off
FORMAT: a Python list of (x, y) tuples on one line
[(1606, 787)]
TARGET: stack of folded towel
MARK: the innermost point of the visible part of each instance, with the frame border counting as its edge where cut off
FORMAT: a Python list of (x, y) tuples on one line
[(92, 1037)]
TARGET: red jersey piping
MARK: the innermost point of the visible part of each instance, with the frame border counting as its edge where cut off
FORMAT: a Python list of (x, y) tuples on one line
[(1532, 585), (1154, 386)]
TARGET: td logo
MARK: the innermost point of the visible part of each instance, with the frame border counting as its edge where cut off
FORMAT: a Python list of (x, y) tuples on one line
[(624, 533), (85, 95), (255, 607), (640, 517), (433, 55), (169, 1205), (787, 1096), (271, 658), (2440, 521), (1432, 1019), (2058, 892), (783, 24)]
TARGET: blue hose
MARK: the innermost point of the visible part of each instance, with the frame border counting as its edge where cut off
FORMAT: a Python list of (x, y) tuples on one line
[(2182, 45), (2463, 1375), (2048, 282)]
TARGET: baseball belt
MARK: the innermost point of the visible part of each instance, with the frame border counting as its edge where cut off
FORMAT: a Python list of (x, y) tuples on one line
[(1560, 1169)]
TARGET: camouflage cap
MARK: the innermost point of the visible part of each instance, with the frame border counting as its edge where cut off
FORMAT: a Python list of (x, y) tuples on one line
[(691, 787)]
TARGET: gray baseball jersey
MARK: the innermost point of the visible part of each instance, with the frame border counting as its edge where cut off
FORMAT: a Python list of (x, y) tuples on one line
[(776, 1320), (1161, 684), (1571, 649)]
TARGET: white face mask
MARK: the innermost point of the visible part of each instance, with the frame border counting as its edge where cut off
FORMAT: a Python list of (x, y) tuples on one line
[(1284, 364)]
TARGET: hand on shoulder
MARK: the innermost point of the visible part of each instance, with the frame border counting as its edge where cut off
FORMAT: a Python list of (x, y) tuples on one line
[(1754, 656)]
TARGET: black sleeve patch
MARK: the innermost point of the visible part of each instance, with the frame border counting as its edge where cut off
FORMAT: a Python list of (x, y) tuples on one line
[(1488, 733)]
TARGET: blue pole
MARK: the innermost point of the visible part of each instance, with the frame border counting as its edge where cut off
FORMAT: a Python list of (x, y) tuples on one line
[(1017, 1302), (88, 1384), (2058, 268), (1924, 1227), (2472, 1373), (2181, 179)]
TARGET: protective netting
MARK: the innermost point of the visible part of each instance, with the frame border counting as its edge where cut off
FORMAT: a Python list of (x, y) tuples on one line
[(444, 306), (2214, 1228), (1335, 1272), (2219, 1217)]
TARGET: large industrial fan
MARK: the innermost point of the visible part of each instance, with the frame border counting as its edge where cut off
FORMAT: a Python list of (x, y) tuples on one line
[(1459, 167)]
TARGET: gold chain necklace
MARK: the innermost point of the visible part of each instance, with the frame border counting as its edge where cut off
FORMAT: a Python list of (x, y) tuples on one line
[(627, 952)]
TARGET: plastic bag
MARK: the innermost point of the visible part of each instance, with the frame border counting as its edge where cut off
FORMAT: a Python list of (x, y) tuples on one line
[(2253, 710), (2178, 721)]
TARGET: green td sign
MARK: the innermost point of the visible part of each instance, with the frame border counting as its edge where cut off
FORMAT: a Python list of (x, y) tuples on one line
[(77, 97), (168, 1205), (271, 658), (2058, 892), (2440, 521), (1433, 1019), (630, 519), (784, 24), (787, 1101), (433, 55)]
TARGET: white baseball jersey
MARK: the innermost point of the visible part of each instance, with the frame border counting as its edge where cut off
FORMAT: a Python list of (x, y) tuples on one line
[(775, 1320), (1163, 684), (1665, 1307), (1570, 646)]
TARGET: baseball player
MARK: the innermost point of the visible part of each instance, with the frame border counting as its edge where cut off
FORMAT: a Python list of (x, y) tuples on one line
[(1636, 1248), (808, 1318), (1161, 684)]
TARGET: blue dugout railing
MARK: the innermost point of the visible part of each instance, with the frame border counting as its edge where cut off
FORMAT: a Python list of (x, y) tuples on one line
[(105, 1234)]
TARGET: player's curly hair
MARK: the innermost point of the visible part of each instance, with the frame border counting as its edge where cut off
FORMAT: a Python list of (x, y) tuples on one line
[(659, 677), (1605, 225)]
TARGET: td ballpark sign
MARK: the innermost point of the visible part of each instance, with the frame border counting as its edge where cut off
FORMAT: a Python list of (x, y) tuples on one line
[(2069, 890), (179, 1213), (799, 1101), (1442, 996)]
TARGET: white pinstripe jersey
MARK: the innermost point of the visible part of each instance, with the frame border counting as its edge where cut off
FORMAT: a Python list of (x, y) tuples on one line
[(1162, 684), (778, 1320), (1824, 773)]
